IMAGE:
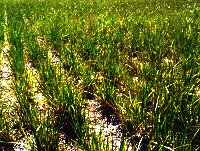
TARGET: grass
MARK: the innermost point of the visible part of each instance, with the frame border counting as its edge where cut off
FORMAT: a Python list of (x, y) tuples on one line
[(140, 58)]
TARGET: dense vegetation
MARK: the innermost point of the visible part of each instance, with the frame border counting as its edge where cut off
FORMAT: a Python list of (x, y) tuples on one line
[(141, 58)]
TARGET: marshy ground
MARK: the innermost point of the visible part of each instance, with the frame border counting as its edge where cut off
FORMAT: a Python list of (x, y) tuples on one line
[(100, 75)]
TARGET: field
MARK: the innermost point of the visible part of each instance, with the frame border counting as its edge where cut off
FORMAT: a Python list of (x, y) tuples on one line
[(95, 75)]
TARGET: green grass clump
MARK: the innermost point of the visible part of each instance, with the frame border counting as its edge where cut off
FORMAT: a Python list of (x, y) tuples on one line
[(139, 59)]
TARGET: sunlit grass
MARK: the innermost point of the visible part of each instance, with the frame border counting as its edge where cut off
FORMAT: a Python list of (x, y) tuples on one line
[(140, 59)]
